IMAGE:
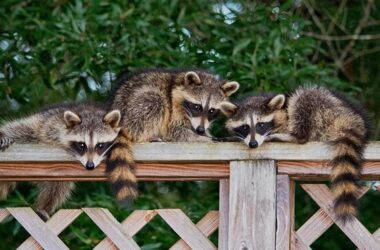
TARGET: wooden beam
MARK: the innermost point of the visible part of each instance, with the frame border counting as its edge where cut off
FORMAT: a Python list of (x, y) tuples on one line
[(188, 151), (320, 170), (252, 221), (40, 171)]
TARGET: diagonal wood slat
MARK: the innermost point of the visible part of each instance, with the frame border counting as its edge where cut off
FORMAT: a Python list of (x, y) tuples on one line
[(207, 225), (132, 225), (316, 225), (354, 230), (185, 228), (57, 223), (3, 214), (297, 243), (111, 227), (37, 228)]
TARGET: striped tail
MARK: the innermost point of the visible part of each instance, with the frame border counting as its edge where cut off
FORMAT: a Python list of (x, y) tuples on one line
[(347, 165), (121, 169)]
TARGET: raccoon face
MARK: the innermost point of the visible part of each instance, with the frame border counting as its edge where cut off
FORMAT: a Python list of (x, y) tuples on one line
[(201, 96), (91, 136), (256, 118)]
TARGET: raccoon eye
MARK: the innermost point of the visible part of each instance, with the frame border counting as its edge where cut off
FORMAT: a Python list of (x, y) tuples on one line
[(211, 111), (82, 145), (100, 145), (197, 107)]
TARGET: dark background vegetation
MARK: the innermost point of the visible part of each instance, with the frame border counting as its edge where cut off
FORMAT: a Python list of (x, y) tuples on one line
[(60, 51)]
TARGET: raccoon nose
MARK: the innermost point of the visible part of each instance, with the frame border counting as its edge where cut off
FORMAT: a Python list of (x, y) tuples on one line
[(90, 165), (200, 130), (253, 144)]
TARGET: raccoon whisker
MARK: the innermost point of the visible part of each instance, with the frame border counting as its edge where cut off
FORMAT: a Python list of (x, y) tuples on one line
[(108, 149), (239, 137)]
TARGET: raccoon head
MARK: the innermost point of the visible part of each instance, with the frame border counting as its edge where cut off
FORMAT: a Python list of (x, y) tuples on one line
[(200, 95), (90, 134), (256, 118)]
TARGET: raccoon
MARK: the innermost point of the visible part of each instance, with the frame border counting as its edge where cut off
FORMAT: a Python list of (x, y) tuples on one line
[(309, 114), (169, 105), (85, 131)]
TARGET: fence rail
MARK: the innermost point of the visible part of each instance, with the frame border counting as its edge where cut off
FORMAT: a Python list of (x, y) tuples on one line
[(256, 205)]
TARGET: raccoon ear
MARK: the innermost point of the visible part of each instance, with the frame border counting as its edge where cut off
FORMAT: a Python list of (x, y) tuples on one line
[(113, 118), (230, 87), (71, 119), (277, 102), (228, 108), (192, 78)]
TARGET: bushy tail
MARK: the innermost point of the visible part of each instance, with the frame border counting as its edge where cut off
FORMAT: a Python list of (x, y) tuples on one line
[(121, 169), (347, 164)]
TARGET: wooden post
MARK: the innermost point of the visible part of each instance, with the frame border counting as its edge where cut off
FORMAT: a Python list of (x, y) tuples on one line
[(252, 223), (224, 194)]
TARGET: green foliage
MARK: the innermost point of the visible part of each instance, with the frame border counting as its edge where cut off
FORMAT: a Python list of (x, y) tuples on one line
[(60, 50)]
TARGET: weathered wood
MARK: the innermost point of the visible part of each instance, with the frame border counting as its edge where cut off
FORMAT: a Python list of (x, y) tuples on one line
[(57, 223), (207, 225), (132, 225), (317, 224), (111, 227), (354, 230), (70, 171), (41, 171), (191, 151), (37, 228), (224, 206), (283, 197), (320, 170), (296, 242), (185, 228), (252, 223)]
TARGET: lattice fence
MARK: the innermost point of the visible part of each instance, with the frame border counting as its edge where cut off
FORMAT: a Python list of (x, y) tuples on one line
[(118, 235)]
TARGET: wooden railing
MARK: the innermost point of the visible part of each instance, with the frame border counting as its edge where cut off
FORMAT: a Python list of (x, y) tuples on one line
[(256, 205)]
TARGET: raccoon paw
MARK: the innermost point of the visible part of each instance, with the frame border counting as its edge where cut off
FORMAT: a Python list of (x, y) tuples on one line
[(5, 142), (157, 139), (43, 215)]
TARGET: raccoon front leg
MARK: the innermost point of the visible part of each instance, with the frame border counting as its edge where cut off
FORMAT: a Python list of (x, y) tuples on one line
[(5, 188), (281, 137), (5, 142), (180, 133), (52, 195)]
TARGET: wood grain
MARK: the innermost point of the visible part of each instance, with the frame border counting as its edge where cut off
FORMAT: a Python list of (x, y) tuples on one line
[(283, 197), (132, 225), (296, 242), (354, 230), (252, 221), (224, 206), (41, 171), (320, 170), (37, 228), (207, 225), (185, 229), (111, 227), (192, 151), (57, 223), (317, 224)]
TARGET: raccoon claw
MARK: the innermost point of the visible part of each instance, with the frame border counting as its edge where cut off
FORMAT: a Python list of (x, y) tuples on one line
[(5, 142), (43, 215), (157, 139)]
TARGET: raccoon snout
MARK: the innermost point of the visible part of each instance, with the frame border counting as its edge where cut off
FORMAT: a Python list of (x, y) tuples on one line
[(200, 130), (253, 144), (90, 165)]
